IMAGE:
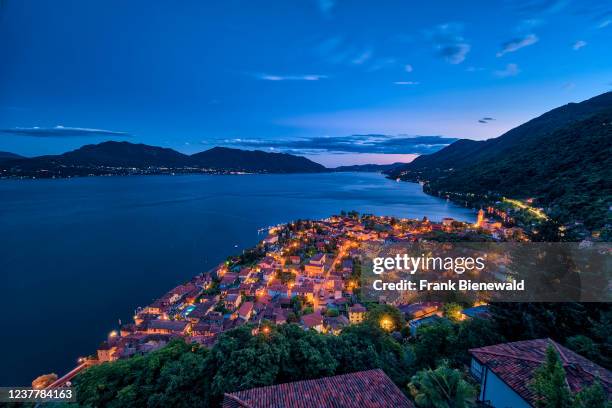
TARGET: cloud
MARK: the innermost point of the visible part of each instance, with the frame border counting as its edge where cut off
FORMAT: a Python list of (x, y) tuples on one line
[(408, 68), (326, 7), (568, 85), (61, 131), (517, 43), (540, 6), (486, 119), (529, 24), (579, 44), (406, 83), (449, 42), (306, 77), (510, 70), (456, 53), (363, 57), (382, 144), (604, 23)]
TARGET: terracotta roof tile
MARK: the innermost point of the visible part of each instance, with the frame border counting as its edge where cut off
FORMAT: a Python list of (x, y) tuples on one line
[(514, 363), (363, 389)]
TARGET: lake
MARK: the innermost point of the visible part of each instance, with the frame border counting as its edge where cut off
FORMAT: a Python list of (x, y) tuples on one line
[(78, 254)]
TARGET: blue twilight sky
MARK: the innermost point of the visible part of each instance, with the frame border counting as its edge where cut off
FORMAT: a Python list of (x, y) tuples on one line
[(302, 76)]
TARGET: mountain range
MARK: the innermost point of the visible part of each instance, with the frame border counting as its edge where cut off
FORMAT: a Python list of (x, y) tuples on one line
[(370, 168), (9, 156), (562, 159), (120, 157)]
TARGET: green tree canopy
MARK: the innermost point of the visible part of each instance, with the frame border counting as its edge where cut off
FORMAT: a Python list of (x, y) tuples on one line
[(443, 387)]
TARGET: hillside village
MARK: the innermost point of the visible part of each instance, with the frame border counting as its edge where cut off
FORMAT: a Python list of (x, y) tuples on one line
[(305, 272)]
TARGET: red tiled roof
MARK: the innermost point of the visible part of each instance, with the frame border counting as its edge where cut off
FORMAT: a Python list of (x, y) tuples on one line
[(246, 308), (514, 363), (312, 320), (357, 308), (174, 325), (363, 389)]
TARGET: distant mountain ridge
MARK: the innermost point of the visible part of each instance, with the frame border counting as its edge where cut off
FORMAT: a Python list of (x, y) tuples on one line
[(562, 158), (9, 156), (255, 160), (465, 152), (372, 168), (102, 158)]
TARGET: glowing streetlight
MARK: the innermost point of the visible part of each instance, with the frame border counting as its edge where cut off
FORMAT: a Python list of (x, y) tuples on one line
[(386, 323)]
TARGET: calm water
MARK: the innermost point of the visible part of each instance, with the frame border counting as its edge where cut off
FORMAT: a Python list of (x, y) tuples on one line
[(77, 255)]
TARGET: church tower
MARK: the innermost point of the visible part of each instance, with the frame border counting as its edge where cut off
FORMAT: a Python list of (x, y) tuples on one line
[(480, 219)]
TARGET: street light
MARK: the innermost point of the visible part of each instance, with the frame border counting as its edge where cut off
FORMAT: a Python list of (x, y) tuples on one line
[(386, 323)]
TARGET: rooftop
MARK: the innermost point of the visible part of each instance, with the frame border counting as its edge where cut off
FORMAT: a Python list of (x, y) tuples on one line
[(514, 363), (363, 389)]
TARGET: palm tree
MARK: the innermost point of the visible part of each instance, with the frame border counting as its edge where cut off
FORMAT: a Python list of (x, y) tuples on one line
[(443, 387)]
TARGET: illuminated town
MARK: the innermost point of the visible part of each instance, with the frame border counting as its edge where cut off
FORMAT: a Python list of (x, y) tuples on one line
[(305, 272)]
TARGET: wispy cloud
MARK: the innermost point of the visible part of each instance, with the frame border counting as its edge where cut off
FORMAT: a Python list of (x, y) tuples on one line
[(604, 23), (406, 83), (456, 53), (529, 24), (362, 58), (61, 131), (408, 68), (306, 77), (380, 63), (540, 6), (579, 44), (326, 7), (449, 42), (517, 43), (509, 71), (382, 144), (486, 119)]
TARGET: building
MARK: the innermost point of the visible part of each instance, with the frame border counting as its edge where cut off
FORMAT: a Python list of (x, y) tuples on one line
[(363, 389), (447, 224), (480, 219), (232, 301), (420, 309), (245, 311), (357, 313), (316, 265), (167, 326), (335, 325), (424, 321), (313, 321), (506, 370), (481, 311)]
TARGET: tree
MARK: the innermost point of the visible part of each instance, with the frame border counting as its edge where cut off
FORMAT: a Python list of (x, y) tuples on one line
[(452, 311), (521, 321), (549, 383), (593, 396), (584, 346), (385, 316), (161, 378), (443, 387), (434, 343)]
